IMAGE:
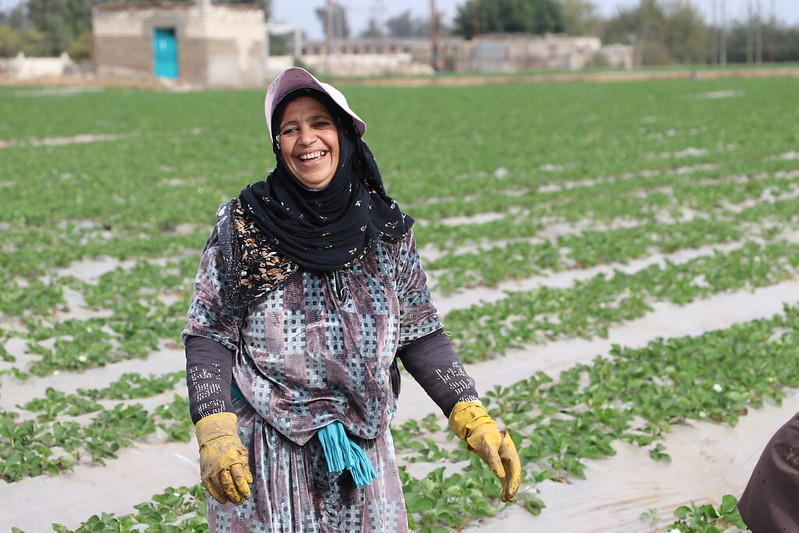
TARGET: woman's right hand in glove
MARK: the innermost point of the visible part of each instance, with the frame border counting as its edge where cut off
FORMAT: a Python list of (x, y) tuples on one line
[(224, 469)]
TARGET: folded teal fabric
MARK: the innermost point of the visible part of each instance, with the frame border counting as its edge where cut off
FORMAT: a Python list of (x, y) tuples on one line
[(343, 454)]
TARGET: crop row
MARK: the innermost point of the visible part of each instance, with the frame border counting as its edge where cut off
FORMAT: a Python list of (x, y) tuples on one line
[(33, 248), (636, 196), (630, 394), (37, 296), (29, 448), (139, 320), (589, 307), (141, 317), (182, 510), (142, 305), (518, 259), (175, 510)]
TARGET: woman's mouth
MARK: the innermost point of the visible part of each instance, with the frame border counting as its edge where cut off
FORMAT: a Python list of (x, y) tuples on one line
[(312, 155)]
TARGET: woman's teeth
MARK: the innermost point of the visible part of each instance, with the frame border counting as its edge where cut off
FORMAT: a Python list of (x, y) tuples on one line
[(312, 155)]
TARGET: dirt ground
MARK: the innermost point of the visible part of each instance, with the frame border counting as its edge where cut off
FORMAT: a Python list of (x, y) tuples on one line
[(159, 84)]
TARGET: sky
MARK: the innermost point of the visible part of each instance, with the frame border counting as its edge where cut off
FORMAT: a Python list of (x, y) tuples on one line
[(302, 13)]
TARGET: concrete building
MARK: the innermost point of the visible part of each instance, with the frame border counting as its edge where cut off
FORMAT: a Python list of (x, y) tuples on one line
[(194, 44), (506, 53)]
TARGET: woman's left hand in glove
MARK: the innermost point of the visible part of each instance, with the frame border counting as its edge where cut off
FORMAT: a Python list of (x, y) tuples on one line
[(471, 423)]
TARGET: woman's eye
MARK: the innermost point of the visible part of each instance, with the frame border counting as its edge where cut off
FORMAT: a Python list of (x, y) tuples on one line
[(289, 131), (321, 124)]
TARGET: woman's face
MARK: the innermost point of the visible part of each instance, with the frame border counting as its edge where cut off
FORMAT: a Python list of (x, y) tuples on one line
[(309, 142)]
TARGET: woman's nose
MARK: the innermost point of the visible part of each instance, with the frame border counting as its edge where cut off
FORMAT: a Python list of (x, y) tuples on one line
[(307, 136)]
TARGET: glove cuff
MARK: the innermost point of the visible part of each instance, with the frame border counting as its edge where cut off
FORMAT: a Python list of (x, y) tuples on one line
[(214, 426), (466, 417)]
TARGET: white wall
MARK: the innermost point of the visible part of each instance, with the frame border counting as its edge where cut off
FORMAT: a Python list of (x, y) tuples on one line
[(22, 67)]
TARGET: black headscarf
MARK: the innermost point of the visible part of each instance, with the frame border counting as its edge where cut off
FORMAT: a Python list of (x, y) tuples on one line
[(330, 228)]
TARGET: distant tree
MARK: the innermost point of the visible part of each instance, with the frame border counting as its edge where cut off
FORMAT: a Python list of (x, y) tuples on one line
[(402, 25), (686, 35), (785, 41), (373, 29), (50, 17), (79, 17), (662, 31), (60, 21), (34, 42), (17, 18), (536, 17), (780, 43), (10, 41), (339, 27), (29, 41), (581, 17), (82, 48), (405, 25)]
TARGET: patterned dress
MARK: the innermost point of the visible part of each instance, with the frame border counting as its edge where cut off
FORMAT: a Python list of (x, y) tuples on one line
[(317, 349)]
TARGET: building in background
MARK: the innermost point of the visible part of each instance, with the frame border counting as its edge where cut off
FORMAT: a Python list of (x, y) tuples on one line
[(503, 53), (195, 44), (203, 45)]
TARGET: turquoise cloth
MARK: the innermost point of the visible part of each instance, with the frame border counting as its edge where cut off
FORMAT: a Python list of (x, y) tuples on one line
[(341, 453), (235, 392)]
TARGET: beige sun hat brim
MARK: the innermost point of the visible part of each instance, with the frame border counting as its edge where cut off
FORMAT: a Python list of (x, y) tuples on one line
[(295, 78)]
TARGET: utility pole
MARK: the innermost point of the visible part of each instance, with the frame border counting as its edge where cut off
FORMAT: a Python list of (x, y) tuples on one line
[(434, 34), (723, 59), (328, 32), (750, 38), (759, 34), (717, 36), (772, 46), (377, 15), (475, 19), (328, 26)]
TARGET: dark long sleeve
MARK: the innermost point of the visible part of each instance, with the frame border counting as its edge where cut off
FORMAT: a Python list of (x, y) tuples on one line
[(209, 368), (432, 361)]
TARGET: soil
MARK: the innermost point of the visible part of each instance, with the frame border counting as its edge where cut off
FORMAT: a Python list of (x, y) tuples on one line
[(450, 79)]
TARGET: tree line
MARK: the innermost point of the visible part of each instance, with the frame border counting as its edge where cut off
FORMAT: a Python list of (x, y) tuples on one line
[(663, 32)]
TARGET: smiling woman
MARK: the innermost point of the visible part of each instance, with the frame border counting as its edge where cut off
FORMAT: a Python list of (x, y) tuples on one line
[(309, 290)]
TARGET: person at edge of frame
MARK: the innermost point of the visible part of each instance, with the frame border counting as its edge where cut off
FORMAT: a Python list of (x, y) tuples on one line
[(770, 500), (309, 289)]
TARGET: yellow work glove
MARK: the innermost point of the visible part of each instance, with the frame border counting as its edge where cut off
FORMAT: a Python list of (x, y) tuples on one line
[(223, 459), (471, 423)]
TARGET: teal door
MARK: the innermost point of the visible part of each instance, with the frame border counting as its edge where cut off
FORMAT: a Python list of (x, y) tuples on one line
[(165, 53)]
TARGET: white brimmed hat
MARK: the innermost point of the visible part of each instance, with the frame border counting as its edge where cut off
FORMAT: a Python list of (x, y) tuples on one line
[(295, 78)]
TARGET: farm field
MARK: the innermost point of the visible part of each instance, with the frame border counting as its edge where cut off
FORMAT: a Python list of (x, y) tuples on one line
[(616, 262)]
